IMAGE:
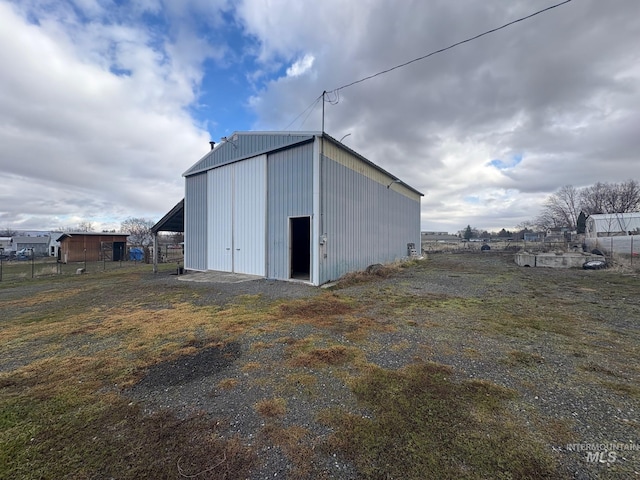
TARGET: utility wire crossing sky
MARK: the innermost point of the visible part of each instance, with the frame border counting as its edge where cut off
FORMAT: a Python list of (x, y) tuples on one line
[(103, 105)]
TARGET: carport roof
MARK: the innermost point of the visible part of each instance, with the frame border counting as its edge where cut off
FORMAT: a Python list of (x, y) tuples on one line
[(172, 221)]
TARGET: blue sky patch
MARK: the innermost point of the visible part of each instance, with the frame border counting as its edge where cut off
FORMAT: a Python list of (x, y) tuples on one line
[(502, 165)]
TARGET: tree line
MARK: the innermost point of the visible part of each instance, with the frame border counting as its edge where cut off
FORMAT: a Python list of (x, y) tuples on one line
[(564, 207)]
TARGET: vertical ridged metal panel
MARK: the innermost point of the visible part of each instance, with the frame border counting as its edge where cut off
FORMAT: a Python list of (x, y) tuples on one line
[(249, 215), (220, 219), (195, 224), (246, 145), (290, 194), (365, 221)]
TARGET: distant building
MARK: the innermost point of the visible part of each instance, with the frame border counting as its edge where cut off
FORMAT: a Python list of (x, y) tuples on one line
[(6, 244), (91, 246), (613, 224), (438, 237), (533, 237), (39, 244)]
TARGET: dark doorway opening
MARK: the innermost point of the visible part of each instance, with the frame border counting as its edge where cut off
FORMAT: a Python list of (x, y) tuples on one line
[(300, 241), (118, 251)]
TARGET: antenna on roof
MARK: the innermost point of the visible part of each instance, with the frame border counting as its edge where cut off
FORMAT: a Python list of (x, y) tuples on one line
[(225, 139)]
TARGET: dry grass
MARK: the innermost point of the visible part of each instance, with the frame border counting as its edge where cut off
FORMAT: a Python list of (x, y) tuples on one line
[(71, 349), (297, 445), (272, 407), (364, 276), (228, 383), (517, 357), (322, 357), (325, 305)]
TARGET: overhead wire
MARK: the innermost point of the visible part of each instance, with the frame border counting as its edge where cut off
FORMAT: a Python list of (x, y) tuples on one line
[(311, 106), (333, 96), (435, 52)]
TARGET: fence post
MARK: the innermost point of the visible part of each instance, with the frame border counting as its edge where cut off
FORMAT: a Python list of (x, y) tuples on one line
[(631, 256), (1, 261), (33, 257)]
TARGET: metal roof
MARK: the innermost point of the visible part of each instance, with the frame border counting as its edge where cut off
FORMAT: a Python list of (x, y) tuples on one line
[(243, 145), (172, 221), (90, 234)]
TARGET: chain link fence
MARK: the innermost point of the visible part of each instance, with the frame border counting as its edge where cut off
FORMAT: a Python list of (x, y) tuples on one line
[(28, 267)]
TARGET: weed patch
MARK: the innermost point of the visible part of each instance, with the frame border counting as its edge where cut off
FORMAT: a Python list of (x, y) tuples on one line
[(321, 306), (71, 436), (423, 423), (272, 407), (296, 443), (518, 357), (322, 357)]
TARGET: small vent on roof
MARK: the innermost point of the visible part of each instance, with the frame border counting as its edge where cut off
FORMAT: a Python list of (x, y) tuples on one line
[(213, 144)]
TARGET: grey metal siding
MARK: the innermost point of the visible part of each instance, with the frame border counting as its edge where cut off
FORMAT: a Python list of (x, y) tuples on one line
[(246, 145), (365, 221), (195, 213), (290, 194)]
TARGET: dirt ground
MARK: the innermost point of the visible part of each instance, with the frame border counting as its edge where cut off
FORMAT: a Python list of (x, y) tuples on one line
[(569, 372), (565, 342)]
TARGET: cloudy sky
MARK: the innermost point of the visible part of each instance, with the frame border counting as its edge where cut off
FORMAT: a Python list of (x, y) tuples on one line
[(105, 103)]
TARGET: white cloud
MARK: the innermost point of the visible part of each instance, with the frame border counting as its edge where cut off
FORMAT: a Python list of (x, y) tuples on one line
[(97, 101), (558, 91), (301, 66), (93, 120)]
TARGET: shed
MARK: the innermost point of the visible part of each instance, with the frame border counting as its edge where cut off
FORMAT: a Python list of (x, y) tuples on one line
[(612, 224), (39, 244), (92, 246), (294, 206)]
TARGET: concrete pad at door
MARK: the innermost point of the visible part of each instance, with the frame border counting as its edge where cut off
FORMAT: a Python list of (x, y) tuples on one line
[(218, 277)]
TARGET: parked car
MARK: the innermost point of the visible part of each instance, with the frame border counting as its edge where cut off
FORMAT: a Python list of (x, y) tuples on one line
[(24, 254)]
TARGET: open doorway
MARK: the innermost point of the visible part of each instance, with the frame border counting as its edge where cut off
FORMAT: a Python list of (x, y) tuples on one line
[(300, 247)]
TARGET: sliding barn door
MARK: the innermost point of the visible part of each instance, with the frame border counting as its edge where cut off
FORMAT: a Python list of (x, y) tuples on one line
[(236, 214)]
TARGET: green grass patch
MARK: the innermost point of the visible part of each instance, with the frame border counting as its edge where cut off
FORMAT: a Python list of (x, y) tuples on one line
[(63, 431), (423, 424)]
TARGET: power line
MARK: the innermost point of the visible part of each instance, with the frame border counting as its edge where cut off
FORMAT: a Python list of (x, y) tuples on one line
[(310, 108), (335, 99), (493, 30)]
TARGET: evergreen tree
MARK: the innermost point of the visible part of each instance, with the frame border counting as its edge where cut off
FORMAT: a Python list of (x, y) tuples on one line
[(581, 225)]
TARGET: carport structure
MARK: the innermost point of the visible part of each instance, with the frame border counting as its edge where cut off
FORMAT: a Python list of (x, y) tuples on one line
[(171, 222)]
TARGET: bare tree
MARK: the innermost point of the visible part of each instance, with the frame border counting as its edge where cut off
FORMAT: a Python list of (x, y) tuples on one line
[(545, 221), (8, 232), (139, 230), (85, 226), (611, 197), (562, 208), (593, 198), (624, 197)]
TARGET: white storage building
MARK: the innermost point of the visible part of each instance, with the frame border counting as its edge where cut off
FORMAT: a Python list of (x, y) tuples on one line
[(294, 206)]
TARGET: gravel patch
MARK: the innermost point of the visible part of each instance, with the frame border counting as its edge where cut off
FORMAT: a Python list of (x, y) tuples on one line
[(583, 375)]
